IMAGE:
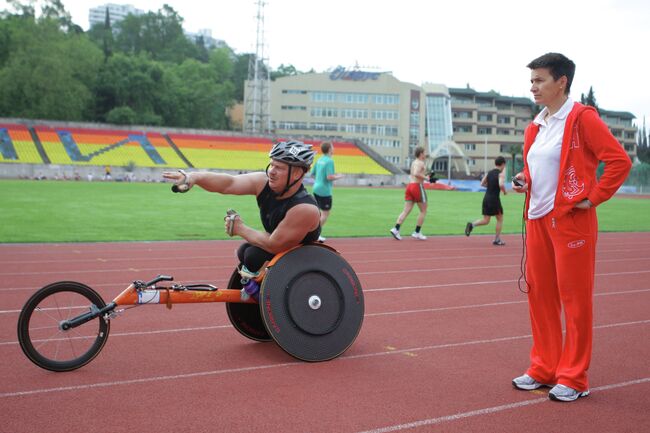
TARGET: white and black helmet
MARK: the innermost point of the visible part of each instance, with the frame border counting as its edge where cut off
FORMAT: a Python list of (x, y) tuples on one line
[(293, 152)]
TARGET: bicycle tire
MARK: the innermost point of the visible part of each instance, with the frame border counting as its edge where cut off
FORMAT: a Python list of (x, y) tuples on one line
[(39, 333)]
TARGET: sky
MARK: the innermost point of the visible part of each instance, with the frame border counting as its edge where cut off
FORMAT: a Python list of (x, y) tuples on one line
[(486, 44)]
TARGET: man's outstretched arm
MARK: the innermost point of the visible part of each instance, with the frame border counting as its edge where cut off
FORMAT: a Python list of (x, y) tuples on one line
[(242, 184)]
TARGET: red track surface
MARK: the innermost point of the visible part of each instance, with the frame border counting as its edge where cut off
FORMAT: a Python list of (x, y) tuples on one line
[(445, 331)]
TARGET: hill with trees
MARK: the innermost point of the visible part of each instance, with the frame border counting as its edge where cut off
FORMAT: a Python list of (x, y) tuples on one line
[(142, 70)]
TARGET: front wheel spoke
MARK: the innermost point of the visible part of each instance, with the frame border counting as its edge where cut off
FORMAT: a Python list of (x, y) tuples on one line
[(56, 352), (49, 339), (79, 336), (46, 314), (72, 347)]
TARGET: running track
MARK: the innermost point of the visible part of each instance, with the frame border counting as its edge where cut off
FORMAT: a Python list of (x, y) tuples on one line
[(445, 331)]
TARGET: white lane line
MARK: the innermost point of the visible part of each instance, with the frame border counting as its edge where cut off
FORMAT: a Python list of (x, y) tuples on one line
[(118, 286), (353, 262), (139, 333), (387, 313), (100, 259), (623, 292), (130, 269), (493, 409), (285, 364), (487, 282)]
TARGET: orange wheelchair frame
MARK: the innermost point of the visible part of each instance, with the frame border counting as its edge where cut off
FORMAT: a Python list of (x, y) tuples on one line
[(310, 304)]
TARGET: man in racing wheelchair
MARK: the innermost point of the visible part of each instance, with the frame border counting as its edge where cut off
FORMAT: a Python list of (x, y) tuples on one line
[(289, 214)]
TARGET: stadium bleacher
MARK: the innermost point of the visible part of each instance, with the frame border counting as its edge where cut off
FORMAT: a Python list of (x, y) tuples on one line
[(123, 148), (350, 159), (251, 153), (17, 145), (85, 146), (223, 152)]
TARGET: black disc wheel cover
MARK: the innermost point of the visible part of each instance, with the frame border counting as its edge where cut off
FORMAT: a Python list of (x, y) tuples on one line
[(246, 318), (312, 303)]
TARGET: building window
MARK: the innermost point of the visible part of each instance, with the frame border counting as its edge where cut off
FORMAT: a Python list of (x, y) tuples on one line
[(463, 128), (484, 117), (355, 98), (464, 101), (462, 114), (324, 112), (503, 120), (382, 99), (440, 165), (483, 130), (470, 146), (617, 133), (394, 159), (385, 115), (324, 97), (294, 107), (501, 131), (294, 92), (319, 126), (292, 125), (353, 113)]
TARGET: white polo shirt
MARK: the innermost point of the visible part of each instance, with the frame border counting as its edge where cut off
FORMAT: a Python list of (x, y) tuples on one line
[(543, 160)]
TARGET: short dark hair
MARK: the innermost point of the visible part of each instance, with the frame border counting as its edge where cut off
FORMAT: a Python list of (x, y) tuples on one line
[(325, 146), (558, 65), (500, 160), (419, 151)]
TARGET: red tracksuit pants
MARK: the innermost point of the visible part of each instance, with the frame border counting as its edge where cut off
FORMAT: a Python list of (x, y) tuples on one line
[(561, 256)]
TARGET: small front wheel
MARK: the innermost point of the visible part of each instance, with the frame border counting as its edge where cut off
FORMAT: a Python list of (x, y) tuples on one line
[(40, 333)]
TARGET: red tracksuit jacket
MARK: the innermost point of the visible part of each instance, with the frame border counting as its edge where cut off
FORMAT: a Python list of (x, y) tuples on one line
[(587, 140)]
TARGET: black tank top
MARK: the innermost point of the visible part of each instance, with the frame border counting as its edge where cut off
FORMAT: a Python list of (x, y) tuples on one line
[(272, 210), (493, 183)]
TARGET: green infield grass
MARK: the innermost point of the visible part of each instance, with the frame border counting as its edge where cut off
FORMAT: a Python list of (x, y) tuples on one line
[(58, 211)]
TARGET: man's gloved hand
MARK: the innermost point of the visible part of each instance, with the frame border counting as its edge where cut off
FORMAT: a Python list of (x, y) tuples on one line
[(230, 219), (180, 178)]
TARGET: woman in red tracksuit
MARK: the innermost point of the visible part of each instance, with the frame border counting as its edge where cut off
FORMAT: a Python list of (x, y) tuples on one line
[(562, 149)]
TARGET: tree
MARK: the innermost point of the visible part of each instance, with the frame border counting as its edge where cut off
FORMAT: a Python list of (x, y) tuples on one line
[(284, 71), (107, 36), (130, 81), (194, 97), (240, 74), (590, 99), (514, 150), (159, 34), (55, 10), (47, 73), (642, 149), (122, 116)]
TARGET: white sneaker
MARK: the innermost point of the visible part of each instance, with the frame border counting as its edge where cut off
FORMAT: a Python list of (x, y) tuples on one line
[(321, 239), (564, 393), (526, 383), (418, 236), (396, 234)]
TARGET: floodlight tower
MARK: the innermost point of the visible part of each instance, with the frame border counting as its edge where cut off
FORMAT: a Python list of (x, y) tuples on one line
[(258, 91)]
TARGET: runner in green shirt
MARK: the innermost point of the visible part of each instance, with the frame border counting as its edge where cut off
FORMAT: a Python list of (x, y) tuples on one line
[(324, 175)]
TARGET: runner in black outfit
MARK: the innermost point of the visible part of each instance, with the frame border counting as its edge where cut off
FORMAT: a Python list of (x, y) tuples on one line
[(289, 214), (494, 180)]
